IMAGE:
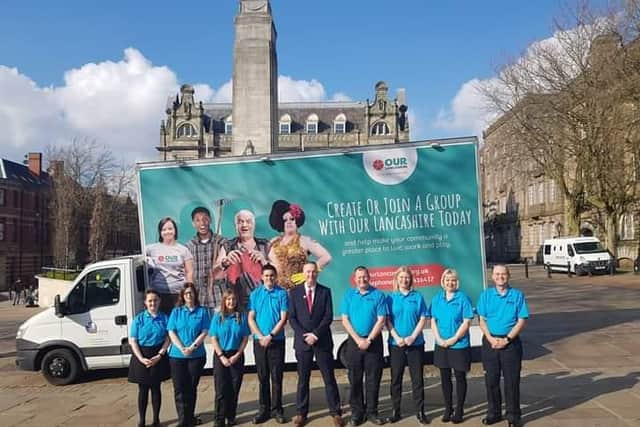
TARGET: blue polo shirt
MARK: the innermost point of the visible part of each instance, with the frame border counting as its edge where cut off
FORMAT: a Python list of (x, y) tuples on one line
[(405, 311), (268, 306), (188, 324), (502, 312), (149, 331), (228, 330), (449, 315), (363, 310)]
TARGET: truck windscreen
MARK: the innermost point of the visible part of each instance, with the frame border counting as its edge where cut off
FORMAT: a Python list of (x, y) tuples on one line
[(588, 247)]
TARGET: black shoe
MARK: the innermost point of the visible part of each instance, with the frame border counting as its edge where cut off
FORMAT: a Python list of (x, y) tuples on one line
[(422, 418), (197, 421), (155, 424), (488, 420), (279, 417), (261, 418), (374, 419), (457, 418), (355, 421), (231, 422), (394, 418), (446, 417), (218, 423), (515, 423)]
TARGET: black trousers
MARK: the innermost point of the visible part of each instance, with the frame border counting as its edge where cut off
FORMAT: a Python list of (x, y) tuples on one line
[(366, 364), (407, 356), (447, 389), (508, 362), (270, 368), (228, 381), (324, 360), (186, 376)]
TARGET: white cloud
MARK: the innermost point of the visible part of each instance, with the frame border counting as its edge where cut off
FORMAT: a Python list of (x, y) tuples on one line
[(466, 112), (118, 103)]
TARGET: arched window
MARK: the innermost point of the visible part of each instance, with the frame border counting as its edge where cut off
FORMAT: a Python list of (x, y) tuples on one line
[(380, 128), (312, 123), (187, 131), (228, 125), (340, 123), (285, 124)]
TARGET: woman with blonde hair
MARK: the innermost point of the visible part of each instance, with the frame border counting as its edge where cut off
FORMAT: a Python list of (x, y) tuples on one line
[(451, 314), (229, 333), (407, 318)]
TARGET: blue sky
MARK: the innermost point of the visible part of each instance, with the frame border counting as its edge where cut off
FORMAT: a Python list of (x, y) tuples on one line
[(104, 70)]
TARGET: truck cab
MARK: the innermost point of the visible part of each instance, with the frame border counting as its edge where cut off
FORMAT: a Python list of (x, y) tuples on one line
[(580, 255), (87, 328)]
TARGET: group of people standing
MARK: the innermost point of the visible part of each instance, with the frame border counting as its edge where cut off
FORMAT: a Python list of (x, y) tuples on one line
[(229, 289)]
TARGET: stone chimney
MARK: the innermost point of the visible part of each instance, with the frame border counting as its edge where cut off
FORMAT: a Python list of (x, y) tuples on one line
[(35, 163)]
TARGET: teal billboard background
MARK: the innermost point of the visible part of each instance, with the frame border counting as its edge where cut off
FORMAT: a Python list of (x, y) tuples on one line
[(430, 220)]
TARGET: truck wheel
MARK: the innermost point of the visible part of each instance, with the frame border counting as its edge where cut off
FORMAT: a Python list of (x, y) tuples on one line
[(579, 269), (60, 367)]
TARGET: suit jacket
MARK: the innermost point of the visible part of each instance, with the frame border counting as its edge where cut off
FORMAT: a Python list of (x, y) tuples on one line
[(318, 321)]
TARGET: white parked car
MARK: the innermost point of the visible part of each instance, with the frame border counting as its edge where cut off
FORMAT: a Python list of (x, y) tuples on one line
[(582, 255)]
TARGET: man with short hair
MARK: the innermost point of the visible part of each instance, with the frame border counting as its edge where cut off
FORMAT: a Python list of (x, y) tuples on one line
[(268, 307), (503, 312), (363, 314), (310, 316), (205, 246)]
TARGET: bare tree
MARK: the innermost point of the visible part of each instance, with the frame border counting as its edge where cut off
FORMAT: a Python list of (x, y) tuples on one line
[(88, 181), (571, 108)]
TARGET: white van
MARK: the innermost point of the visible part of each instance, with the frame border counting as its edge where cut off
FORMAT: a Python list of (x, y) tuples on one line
[(582, 255)]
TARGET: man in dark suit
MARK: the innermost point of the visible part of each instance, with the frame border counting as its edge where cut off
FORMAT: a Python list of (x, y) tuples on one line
[(310, 317)]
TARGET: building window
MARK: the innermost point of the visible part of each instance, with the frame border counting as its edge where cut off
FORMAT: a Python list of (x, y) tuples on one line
[(2, 231), (552, 191), (530, 195), (540, 192), (228, 125), (285, 124), (312, 123), (380, 128), (340, 123), (1, 196), (187, 131), (627, 229)]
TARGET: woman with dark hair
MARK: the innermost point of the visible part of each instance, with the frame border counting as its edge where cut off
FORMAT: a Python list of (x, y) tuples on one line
[(289, 251), (229, 333), (407, 318), (172, 264), (188, 327), (451, 315), (149, 366)]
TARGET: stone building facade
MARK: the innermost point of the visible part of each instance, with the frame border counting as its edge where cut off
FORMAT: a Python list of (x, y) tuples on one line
[(523, 206), (257, 123)]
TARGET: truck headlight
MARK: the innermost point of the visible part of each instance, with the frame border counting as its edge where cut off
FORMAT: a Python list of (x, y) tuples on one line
[(21, 331), (583, 260)]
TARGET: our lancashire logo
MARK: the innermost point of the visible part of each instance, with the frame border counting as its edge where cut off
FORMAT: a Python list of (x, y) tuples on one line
[(390, 167)]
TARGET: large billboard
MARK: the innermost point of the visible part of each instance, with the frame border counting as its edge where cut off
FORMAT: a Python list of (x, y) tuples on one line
[(415, 204)]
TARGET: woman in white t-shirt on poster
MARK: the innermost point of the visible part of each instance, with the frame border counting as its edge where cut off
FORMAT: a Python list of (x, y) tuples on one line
[(172, 264)]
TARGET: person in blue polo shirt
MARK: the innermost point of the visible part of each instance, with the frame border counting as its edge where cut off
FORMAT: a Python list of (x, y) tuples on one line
[(268, 307), (407, 318), (149, 366), (451, 315), (229, 333), (363, 314), (503, 312), (188, 327)]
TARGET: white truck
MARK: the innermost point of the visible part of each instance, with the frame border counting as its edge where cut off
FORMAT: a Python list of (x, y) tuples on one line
[(580, 255), (415, 204)]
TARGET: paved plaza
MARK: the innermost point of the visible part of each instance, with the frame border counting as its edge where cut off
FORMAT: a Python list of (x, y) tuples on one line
[(582, 368)]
